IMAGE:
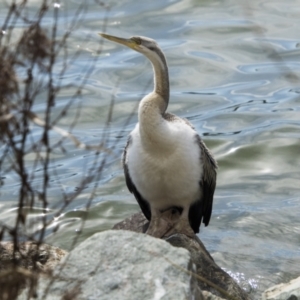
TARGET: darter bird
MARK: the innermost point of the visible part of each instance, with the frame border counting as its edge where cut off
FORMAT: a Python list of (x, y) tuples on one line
[(166, 164)]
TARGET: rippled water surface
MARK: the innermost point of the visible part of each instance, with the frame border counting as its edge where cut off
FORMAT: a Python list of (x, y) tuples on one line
[(234, 73)]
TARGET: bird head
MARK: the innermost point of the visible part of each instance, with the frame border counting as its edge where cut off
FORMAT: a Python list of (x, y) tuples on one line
[(140, 44), (151, 50)]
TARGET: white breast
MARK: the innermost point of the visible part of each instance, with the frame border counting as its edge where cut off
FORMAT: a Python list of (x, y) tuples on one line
[(167, 174)]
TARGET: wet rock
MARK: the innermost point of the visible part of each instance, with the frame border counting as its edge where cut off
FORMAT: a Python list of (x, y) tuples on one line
[(283, 291), (211, 277), (118, 264)]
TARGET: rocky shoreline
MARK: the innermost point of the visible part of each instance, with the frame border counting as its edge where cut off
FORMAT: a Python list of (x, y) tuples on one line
[(123, 264)]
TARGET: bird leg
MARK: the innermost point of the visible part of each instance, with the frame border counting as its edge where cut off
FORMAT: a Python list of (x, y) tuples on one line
[(182, 225), (161, 222), (168, 222)]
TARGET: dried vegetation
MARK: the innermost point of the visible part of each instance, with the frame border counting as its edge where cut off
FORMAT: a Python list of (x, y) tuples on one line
[(34, 58)]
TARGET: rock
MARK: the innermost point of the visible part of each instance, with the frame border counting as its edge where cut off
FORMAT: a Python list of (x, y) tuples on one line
[(283, 291), (30, 256), (21, 267), (209, 296), (206, 267), (118, 264)]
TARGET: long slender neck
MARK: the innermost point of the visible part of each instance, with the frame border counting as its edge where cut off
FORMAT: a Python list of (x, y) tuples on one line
[(153, 127), (161, 78)]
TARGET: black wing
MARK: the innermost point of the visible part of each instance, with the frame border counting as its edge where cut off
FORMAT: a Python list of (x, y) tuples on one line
[(144, 205), (202, 208)]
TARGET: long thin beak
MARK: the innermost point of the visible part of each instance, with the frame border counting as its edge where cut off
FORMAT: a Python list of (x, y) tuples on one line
[(126, 42)]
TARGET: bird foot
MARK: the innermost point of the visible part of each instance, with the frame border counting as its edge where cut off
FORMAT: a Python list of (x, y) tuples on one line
[(158, 227), (182, 226), (169, 223)]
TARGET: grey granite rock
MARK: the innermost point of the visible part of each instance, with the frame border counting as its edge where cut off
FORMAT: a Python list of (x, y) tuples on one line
[(120, 265), (205, 264), (283, 291)]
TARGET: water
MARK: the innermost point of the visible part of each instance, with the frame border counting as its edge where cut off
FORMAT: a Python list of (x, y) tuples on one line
[(232, 72)]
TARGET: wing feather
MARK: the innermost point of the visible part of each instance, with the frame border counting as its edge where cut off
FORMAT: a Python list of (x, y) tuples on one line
[(144, 205), (208, 181)]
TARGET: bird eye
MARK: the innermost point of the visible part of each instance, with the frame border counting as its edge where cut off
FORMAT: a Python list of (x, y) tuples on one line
[(137, 40)]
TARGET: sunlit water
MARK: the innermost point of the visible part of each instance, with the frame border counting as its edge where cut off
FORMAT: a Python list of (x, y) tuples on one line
[(231, 69)]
